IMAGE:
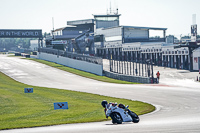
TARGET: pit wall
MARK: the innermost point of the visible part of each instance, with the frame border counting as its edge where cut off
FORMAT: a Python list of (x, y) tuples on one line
[(138, 79), (77, 64)]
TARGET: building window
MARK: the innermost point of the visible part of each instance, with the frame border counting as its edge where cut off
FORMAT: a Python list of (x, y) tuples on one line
[(113, 38), (107, 18)]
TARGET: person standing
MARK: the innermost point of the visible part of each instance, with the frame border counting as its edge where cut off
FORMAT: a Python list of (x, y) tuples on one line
[(158, 75)]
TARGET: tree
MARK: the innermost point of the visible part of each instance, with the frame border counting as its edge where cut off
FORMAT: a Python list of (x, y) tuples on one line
[(8, 43)]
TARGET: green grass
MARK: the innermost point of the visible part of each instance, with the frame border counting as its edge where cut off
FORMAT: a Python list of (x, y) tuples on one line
[(82, 73), (19, 109)]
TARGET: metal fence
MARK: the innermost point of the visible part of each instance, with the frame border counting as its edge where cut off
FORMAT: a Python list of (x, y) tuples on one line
[(87, 58), (133, 68), (136, 68)]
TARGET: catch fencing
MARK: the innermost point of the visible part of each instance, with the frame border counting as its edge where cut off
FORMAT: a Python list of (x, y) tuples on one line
[(87, 58), (132, 71), (135, 68)]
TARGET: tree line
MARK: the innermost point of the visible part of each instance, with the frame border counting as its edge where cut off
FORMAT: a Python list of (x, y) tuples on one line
[(8, 43)]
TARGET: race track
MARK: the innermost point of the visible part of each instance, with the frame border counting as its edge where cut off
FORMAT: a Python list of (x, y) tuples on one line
[(176, 98)]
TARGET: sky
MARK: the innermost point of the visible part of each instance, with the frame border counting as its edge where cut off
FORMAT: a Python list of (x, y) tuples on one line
[(175, 15)]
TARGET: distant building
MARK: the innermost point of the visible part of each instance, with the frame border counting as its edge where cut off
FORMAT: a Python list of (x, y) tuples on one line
[(196, 58), (103, 36), (170, 39), (34, 45), (185, 39)]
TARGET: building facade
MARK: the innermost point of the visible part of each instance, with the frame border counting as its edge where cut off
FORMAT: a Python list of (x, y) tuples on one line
[(104, 37)]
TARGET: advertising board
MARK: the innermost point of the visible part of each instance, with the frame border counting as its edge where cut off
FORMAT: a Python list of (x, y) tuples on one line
[(8, 33), (194, 33)]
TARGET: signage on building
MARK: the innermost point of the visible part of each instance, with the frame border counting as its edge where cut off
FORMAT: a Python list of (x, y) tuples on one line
[(4, 33), (193, 33), (58, 42)]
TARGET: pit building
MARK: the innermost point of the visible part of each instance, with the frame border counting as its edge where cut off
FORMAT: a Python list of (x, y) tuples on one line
[(103, 36)]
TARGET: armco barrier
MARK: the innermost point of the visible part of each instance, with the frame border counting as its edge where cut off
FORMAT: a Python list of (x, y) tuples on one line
[(87, 58), (129, 78)]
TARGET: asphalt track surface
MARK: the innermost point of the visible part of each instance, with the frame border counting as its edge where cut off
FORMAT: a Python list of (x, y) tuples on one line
[(177, 98)]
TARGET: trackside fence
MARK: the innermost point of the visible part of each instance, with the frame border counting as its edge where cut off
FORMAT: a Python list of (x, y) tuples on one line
[(120, 70), (81, 62), (87, 58)]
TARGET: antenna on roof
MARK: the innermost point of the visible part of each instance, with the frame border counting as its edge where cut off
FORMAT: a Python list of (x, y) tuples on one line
[(116, 6), (110, 7), (117, 11), (112, 11)]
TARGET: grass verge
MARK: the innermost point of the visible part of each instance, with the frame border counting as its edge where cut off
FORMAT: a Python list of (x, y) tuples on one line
[(19, 109), (82, 73)]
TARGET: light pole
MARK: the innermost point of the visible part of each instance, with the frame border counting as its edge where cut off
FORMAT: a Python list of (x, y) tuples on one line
[(180, 39), (152, 71)]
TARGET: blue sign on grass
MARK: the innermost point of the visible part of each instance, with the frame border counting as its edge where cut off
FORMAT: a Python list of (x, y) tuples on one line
[(28, 90), (61, 105)]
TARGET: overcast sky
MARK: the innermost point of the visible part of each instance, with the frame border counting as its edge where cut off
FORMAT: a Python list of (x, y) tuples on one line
[(176, 15)]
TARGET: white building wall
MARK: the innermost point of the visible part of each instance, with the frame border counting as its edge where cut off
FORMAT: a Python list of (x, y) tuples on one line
[(111, 34), (34, 45), (196, 60), (135, 33)]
